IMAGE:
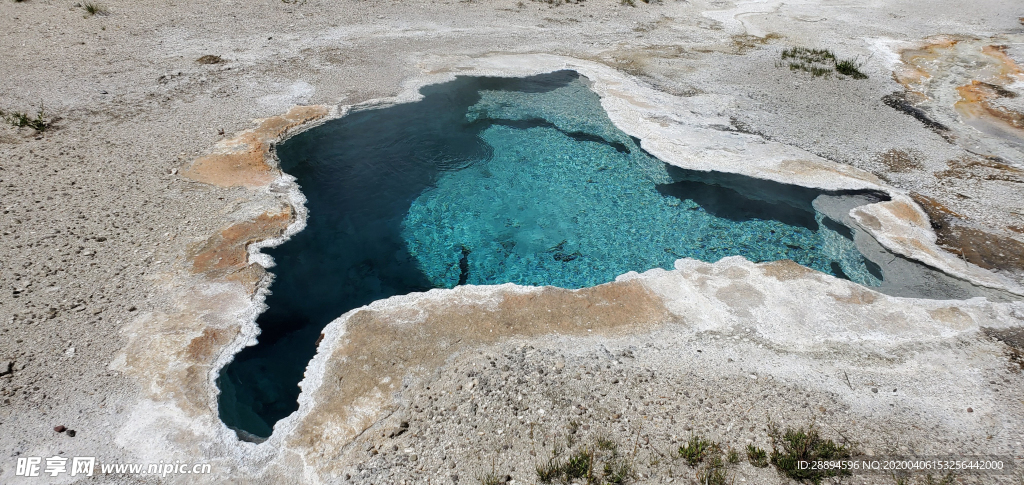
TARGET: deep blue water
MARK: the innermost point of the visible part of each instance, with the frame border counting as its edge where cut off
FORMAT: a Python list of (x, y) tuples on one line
[(488, 181)]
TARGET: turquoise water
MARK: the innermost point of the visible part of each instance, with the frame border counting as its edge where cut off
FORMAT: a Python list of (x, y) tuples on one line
[(566, 199), (489, 181)]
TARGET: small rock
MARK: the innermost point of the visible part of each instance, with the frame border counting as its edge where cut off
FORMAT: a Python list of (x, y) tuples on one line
[(6, 367), (60, 429), (396, 432), (970, 410), (874, 390), (414, 457), (70, 433), (559, 365), (210, 59)]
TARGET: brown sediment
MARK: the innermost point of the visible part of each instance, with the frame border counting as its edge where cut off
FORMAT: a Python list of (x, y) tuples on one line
[(981, 168), (976, 103), (205, 347), (906, 212), (1013, 338), (916, 244), (175, 352), (381, 349), (812, 168), (871, 221), (858, 296), (977, 97), (634, 60), (914, 70), (1007, 65), (991, 72), (785, 269), (745, 42), (241, 161), (224, 255), (984, 249), (937, 212), (954, 316), (900, 161)]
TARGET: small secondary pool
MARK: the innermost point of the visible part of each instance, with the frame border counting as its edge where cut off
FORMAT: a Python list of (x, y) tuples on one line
[(488, 181)]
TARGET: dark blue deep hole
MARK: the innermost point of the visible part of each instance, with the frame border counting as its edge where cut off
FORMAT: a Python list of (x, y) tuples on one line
[(488, 181)]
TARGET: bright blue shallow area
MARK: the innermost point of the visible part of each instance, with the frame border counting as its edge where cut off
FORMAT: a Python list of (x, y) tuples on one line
[(489, 181)]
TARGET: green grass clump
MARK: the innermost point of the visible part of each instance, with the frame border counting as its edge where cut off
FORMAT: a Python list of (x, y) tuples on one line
[(806, 445), (605, 443), (22, 120), (491, 479), (596, 464), (697, 449), (550, 471), (94, 8), (819, 63), (617, 471), (815, 71), (732, 456), (756, 456), (577, 465), (850, 68), (713, 472), (809, 55)]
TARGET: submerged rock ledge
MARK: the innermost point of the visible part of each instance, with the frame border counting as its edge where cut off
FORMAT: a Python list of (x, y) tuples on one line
[(762, 328)]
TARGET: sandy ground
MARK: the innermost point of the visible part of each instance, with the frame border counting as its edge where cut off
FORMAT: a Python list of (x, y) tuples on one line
[(97, 221)]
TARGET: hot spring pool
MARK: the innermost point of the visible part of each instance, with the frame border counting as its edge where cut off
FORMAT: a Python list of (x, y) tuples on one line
[(488, 181)]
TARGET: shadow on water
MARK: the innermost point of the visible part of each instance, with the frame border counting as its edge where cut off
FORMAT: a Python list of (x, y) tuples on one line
[(730, 204)]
